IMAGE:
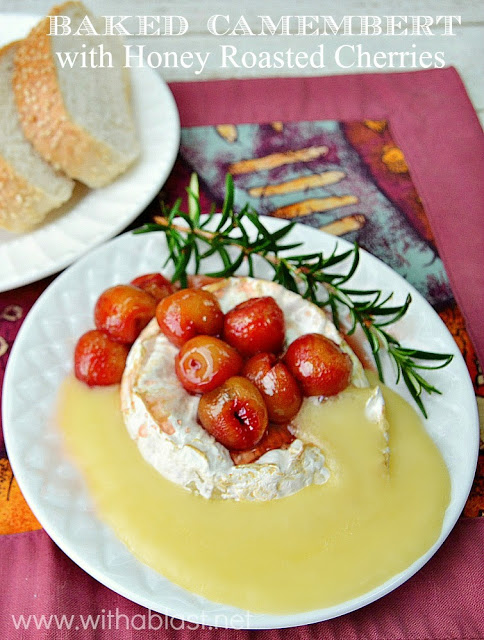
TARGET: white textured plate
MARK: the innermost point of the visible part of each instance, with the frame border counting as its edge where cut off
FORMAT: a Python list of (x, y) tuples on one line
[(93, 216), (42, 356)]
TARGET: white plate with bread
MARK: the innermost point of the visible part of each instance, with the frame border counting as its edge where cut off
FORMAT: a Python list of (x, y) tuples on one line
[(82, 150)]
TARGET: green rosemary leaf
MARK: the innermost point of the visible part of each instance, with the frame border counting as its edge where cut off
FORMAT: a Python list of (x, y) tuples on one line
[(336, 258), (305, 258), (181, 266), (287, 279), (311, 273), (354, 324), (288, 247), (225, 258), (373, 340), (196, 253), (283, 232), (190, 222), (425, 355), (375, 348), (343, 298), (243, 233), (334, 311), (212, 249), (415, 390), (229, 268), (354, 266), (175, 210), (360, 292), (395, 313), (424, 383), (228, 204), (207, 219), (148, 227), (434, 367), (194, 199), (397, 367), (381, 337), (380, 301), (254, 218), (389, 338)]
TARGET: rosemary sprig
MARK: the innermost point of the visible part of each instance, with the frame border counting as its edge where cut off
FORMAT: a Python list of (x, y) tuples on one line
[(311, 274)]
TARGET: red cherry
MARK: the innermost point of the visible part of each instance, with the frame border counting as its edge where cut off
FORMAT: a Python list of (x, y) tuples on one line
[(188, 313), (98, 360), (277, 436), (255, 325), (123, 312), (278, 387), (155, 284), (319, 365), (204, 363), (234, 413)]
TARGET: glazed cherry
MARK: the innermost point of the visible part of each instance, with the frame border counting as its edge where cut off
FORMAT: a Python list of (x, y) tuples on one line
[(234, 413), (98, 360), (319, 365), (155, 284), (204, 363), (277, 385), (123, 312), (189, 313), (276, 436), (255, 325)]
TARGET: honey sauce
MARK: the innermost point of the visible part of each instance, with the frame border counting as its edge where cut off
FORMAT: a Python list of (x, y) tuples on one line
[(321, 546)]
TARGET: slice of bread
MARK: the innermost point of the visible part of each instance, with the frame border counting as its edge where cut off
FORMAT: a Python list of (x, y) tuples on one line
[(78, 119), (29, 187)]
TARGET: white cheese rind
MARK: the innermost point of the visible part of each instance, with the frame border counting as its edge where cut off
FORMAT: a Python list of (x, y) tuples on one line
[(162, 417)]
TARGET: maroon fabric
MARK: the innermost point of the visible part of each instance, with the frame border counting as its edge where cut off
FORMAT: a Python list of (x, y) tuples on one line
[(432, 121), (443, 601)]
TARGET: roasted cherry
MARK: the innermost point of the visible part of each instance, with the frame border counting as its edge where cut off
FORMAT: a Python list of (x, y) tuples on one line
[(255, 325), (155, 284), (204, 363), (123, 312), (98, 360), (234, 413), (278, 387), (319, 365), (189, 313), (276, 436)]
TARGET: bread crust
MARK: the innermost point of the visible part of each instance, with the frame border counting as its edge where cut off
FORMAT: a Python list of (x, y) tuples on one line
[(6, 47), (22, 205), (44, 117)]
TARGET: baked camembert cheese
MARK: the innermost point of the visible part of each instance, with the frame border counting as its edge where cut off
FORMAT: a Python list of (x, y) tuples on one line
[(239, 466), (161, 416)]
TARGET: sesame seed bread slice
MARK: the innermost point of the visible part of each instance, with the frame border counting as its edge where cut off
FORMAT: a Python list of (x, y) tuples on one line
[(79, 119), (29, 187)]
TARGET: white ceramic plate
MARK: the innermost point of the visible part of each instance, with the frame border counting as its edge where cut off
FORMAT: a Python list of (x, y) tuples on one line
[(93, 216), (42, 356)]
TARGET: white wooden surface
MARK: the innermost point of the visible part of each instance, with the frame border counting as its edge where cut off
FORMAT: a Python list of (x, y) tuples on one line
[(465, 50)]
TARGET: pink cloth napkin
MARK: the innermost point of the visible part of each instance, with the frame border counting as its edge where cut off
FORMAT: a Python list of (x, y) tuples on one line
[(443, 601)]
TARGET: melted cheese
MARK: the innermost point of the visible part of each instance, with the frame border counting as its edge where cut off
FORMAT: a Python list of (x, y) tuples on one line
[(162, 417), (316, 548)]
